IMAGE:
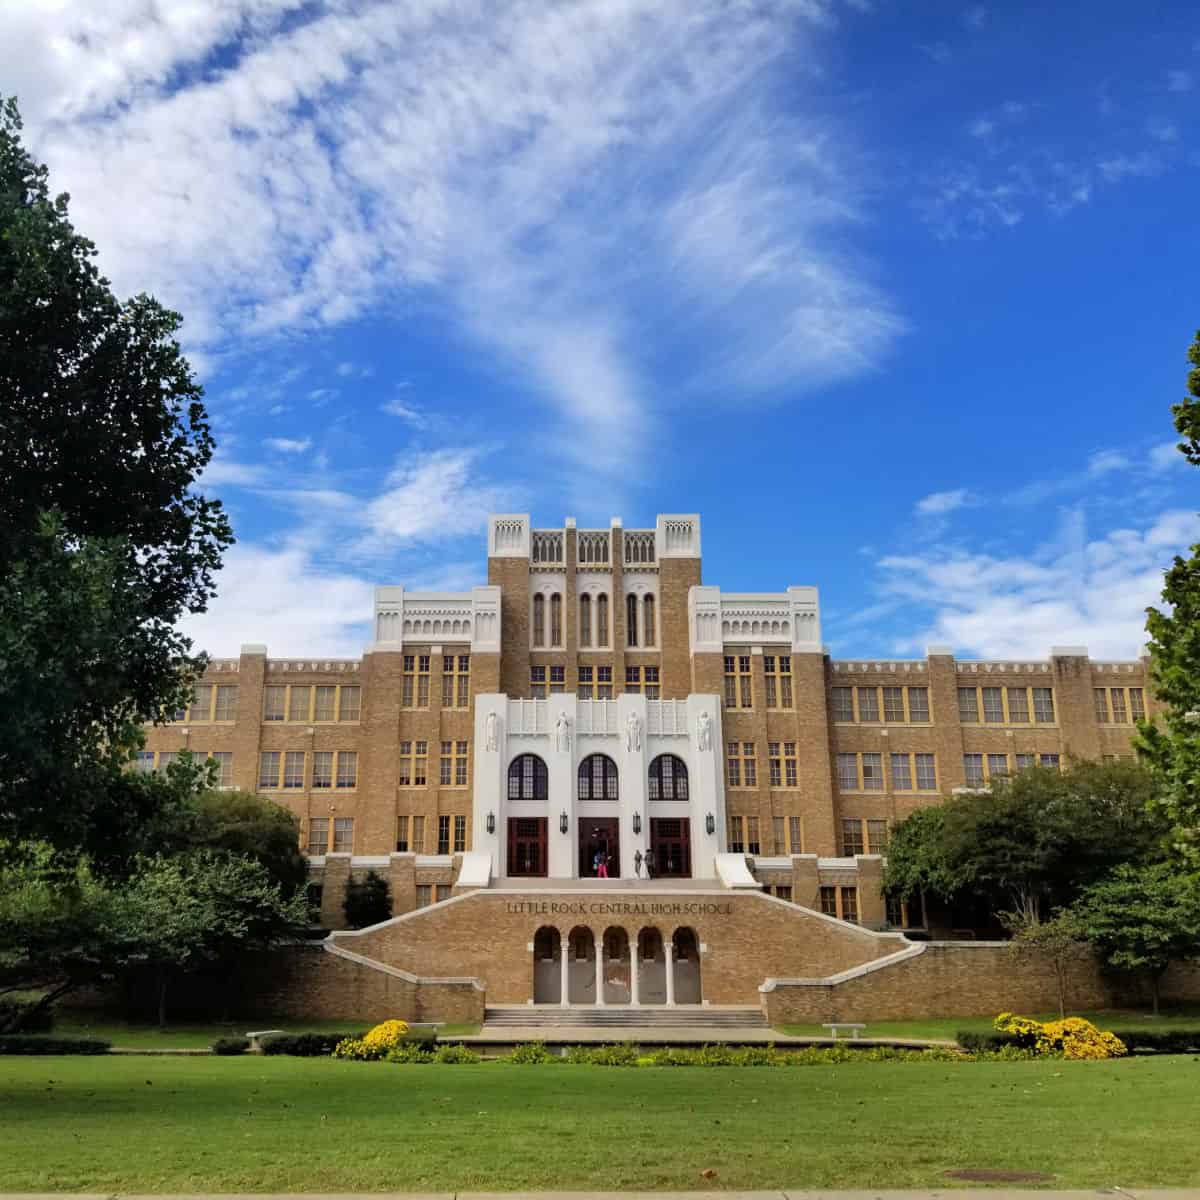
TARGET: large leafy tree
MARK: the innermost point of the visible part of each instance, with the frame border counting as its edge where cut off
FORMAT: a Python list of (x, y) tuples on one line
[(1171, 742), (104, 543)]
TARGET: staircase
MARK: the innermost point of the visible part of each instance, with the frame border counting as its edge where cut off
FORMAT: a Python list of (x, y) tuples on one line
[(612, 1016)]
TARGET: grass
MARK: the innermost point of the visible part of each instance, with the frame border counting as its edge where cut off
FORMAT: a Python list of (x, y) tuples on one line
[(947, 1027), (135, 1035), (310, 1125)]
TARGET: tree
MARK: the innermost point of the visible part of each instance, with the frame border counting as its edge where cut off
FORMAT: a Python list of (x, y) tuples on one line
[(917, 862), (1141, 919), (1060, 940), (368, 901), (104, 544), (1171, 743)]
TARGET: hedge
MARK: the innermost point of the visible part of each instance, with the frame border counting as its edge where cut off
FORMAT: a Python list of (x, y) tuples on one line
[(25, 1016), (20, 1043), (304, 1045), (231, 1045), (1137, 1041), (982, 1042)]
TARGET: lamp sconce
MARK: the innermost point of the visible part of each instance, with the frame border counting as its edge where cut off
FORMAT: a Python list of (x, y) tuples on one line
[(637, 822), (491, 822), (563, 823), (710, 824)]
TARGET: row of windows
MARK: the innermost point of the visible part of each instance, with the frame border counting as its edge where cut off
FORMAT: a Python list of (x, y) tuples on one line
[(864, 835), (901, 705), (593, 683), (529, 779), (777, 681), (840, 902), (864, 772), (1118, 706), (149, 761), (451, 834), (641, 623), (1006, 705), (742, 833), (456, 681), (293, 770), (741, 764), (343, 835), (980, 769), (311, 704), (212, 702)]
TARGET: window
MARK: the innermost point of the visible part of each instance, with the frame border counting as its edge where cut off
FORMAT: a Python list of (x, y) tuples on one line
[(1024, 761), (926, 773), (201, 706), (318, 835), (268, 769), (783, 891), (968, 705), (401, 835), (539, 620), (273, 703), (668, 778), (653, 691), (778, 837), (781, 764), (558, 680), (414, 684), (877, 837), (840, 902), (737, 837), (460, 834), (993, 705), (872, 772), (829, 901), (973, 769), (413, 757), (418, 834), (843, 704), (1018, 706), (456, 680), (293, 769), (349, 703), (738, 693), (452, 767), (343, 835), (446, 764), (1117, 696), (298, 703), (778, 672), (325, 704), (849, 899), (585, 685), (918, 704), (648, 621), (604, 683), (601, 620), (347, 768), (1049, 760), (631, 620), (868, 704), (795, 835), (556, 622), (742, 766), (443, 845), (165, 759), (893, 704), (847, 766), (424, 895), (1043, 706), (537, 682), (997, 765), (906, 914), (753, 845), (901, 773), (852, 837), (1137, 704), (598, 778), (322, 769), (1100, 704), (633, 679), (144, 763), (528, 778), (585, 620), (226, 704)]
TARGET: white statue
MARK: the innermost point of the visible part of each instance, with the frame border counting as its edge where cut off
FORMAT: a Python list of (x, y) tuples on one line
[(493, 732), (633, 733), (704, 731), (562, 732)]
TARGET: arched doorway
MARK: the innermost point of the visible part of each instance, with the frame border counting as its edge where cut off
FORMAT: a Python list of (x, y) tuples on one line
[(651, 967), (581, 967), (686, 948), (547, 966), (616, 966)]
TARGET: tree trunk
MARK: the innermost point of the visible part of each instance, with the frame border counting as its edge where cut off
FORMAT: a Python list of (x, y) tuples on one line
[(1154, 992), (162, 1000), (1060, 972)]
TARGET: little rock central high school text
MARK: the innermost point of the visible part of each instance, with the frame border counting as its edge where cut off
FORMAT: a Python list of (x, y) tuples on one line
[(597, 720)]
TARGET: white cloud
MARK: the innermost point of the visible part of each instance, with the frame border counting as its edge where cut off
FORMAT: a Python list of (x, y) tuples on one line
[(939, 504), (1179, 81), (939, 52), (1104, 461), (224, 472), (406, 412), (288, 445), (1162, 130), (1074, 591), (1165, 456), (975, 17), (981, 127), (1124, 166)]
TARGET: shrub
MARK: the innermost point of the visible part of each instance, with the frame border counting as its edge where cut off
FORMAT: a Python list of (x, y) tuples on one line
[(411, 1052), (1070, 1038), (986, 1043), (368, 901), (1167, 1041), (374, 1044), (231, 1045), (619, 1054), (304, 1045), (21, 1043), (25, 1016), (455, 1052), (528, 1053)]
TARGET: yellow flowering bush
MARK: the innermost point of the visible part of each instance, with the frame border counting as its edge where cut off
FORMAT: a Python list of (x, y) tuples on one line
[(374, 1044), (1071, 1038)]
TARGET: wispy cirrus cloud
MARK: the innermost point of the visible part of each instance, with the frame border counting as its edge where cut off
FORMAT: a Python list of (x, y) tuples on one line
[(940, 504)]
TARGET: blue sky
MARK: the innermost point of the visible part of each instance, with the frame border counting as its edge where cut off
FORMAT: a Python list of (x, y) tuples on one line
[(896, 295)]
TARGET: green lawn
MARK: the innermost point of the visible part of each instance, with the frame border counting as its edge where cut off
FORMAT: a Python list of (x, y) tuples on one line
[(947, 1027), (308, 1125), (140, 1036)]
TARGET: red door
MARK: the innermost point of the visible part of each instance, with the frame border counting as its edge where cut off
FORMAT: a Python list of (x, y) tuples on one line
[(527, 845)]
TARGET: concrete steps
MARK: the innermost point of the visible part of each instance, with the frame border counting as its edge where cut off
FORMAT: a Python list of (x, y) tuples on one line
[(612, 1016)]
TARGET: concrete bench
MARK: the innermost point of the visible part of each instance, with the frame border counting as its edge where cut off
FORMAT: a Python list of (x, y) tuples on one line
[(255, 1047), (833, 1027)]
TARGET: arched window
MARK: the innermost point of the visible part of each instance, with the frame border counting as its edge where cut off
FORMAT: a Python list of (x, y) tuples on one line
[(631, 607), (668, 778), (528, 778), (556, 620), (601, 620), (648, 622), (598, 778), (539, 620), (585, 620)]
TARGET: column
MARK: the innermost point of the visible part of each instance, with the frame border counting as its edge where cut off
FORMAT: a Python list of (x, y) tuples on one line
[(634, 998), (599, 943), (669, 950), (565, 965)]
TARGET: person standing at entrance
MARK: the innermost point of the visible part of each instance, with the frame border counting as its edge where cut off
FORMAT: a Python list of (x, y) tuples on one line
[(597, 858), (602, 868), (649, 864)]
